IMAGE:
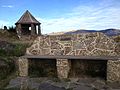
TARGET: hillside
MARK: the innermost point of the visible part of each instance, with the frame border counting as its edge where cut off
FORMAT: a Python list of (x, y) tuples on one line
[(108, 32), (5, 35), (10, 49)]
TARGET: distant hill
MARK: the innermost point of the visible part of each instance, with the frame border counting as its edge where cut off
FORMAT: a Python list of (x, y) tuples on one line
[(108, 32), (111, 32)]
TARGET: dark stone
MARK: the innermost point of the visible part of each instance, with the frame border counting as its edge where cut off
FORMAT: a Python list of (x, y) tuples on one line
[(67, 50), (82, 87), (56, 45), (6, 45), (47, 86)]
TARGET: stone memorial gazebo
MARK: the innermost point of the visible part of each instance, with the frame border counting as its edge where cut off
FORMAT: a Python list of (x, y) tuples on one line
[(28, 25)]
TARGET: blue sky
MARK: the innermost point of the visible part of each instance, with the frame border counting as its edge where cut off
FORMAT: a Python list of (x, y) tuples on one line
[(64, 15)]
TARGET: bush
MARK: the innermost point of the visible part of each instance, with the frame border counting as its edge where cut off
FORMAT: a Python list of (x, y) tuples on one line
[(17, 50), (12, 29), (117, 39)]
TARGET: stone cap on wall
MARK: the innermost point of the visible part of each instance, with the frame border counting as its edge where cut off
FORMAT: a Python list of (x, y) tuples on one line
[(72, 57)]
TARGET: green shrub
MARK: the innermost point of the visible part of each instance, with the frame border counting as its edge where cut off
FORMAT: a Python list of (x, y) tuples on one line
[(2, 52), (17, 51)]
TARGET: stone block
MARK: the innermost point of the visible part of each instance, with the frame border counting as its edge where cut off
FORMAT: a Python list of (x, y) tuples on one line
[(63, 68), (23, 66), (113, 71)]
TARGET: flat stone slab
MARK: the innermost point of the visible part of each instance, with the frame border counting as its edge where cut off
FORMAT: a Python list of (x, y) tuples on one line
[(56, 84), (48, 86), (72, 57), (82, 87)]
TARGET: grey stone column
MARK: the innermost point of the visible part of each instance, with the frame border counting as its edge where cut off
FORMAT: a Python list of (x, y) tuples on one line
[(39, 30), (23, 66), (33, 29), (113, 71), (63, 68)]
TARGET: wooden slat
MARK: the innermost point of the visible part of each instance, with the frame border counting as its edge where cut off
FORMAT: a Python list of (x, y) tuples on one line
[(72, 57)]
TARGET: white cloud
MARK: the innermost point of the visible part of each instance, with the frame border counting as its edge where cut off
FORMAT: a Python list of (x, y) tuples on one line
[(7, 6), (85, 17)]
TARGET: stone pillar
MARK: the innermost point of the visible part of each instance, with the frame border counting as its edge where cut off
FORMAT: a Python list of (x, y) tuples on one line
[(23, 66), (113, 70), (63, 68), (33, 29), (18, 29), (39, 30)]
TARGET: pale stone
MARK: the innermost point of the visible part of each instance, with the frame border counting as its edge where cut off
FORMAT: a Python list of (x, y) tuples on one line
[(23, 66), (63, 68), (113, 71)]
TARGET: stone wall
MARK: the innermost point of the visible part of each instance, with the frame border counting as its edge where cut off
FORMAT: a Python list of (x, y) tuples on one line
[(88, 44), (113, 70)]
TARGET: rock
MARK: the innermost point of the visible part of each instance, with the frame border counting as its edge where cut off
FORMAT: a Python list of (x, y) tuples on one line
[(60, 84), (82, 87), (26, 83), (6, 45), (115, 85), (86, 81), (16, 83), (98, 84), (47, 86)]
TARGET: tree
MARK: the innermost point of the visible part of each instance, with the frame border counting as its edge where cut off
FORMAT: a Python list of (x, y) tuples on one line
[(12, 29)]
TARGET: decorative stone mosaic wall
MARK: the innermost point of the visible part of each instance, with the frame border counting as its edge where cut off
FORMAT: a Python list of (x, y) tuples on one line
[(88, 44)]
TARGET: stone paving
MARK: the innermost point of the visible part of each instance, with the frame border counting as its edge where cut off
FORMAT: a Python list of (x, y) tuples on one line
[(21, 83)]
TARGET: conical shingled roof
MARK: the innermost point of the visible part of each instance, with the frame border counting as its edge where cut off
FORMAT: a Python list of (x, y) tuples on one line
[(27, 18)]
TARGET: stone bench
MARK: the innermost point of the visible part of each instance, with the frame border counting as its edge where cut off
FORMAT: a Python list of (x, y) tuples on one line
[(63, 64)]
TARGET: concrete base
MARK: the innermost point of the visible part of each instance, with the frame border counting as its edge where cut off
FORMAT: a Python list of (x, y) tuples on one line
[(113, 71), (63, 68), (23, 66)]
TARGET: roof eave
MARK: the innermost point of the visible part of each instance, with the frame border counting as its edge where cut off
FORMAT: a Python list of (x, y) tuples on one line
[(26, 23)]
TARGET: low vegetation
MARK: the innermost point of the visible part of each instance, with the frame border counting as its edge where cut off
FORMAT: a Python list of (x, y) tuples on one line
[(10, 49), (117, 39)]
